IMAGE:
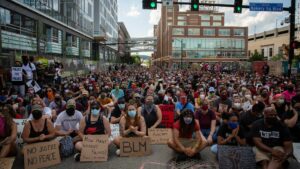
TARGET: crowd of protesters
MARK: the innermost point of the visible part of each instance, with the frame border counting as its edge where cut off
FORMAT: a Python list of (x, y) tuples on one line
[(211, 109)]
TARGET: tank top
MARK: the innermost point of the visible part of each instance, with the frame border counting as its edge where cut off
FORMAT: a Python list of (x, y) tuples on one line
[(150, 117), (94, 128), (34, 134)]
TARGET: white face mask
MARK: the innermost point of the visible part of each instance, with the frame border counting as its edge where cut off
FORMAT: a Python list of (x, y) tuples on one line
[(202, 96), (237, 105), (248, 96)]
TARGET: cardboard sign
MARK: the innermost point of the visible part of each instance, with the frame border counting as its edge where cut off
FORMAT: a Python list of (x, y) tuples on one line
[(40, 155), (236, 157), (6, 163), (115, 131), (296, 152), (160, 135), (16, 74), (135, 146), (20, 126), (36, 87), (167, 115), (94, 148)]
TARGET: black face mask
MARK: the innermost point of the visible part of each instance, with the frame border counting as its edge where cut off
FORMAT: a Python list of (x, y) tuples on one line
[(37, 115), (70, 111), (271, 120), (290, 89), (264, 94)]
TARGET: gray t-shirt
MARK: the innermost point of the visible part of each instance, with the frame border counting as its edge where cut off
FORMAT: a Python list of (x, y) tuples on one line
[(68, 122)]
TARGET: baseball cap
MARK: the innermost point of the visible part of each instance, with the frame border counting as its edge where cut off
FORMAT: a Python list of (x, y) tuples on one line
[(71, 103), (211, 89), (37, 107)]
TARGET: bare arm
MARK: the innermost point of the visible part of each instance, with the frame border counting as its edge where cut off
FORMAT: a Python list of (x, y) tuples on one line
[(123, 132), (292, 122), (177, 141), (142, 127), (159, 117), (51, 130), (25, 134), (212, 127), (259, 144), (288, 148), (81, 128), (106, 126)]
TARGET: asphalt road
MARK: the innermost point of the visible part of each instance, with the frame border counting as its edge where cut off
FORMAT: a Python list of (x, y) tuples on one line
[(161, 158)]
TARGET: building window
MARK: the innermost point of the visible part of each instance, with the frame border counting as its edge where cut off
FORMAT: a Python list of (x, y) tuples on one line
[(209, 32), (217, 17), (169, 23), (263, 52), (4, 16), (181, 23), (270, 52), (238, 32), (205, 23), (193, 31), (205, 17), (89, 10), (170, 18), (217, 24), (178, 31), (55, 35), (170, 9), (181, 18), (224, 32)]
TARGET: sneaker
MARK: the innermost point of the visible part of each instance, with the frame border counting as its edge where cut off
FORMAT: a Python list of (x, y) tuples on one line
[(77, 157), (181, 157), (118, 152), (197, 156)]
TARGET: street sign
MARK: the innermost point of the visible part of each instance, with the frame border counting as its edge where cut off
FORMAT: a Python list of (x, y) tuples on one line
[(275, 7)]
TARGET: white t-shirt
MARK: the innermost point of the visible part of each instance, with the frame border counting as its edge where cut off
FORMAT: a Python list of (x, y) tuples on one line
[(46, 111), (29, 70), (68, 122)]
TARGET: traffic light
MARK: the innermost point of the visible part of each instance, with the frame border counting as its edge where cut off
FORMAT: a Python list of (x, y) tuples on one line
[(194, 5), (238, 6), (149, 4), (296, 45)]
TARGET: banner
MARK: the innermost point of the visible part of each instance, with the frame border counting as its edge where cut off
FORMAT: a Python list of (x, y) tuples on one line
[(115, 131), (40, 155), (20, 126), (16, 74), (94, 148), (167, 115), (235, 157), (160, 135), (6, 163), (296, 152), (135, 146)]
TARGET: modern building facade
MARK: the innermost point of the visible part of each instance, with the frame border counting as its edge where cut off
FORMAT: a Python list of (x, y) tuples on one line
[(124, 38), (193, 37), (61, 30)]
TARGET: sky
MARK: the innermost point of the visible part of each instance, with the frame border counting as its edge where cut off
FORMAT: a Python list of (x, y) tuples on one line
[(139, 22)]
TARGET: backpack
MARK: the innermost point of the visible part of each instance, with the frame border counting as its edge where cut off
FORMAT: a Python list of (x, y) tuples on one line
[(66, 148)]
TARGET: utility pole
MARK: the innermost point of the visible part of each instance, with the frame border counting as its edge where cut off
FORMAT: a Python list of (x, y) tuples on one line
[(292, 35), (181, 41)]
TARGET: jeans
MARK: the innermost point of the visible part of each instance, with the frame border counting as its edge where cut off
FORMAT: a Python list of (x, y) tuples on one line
[(206, 133), (20, 89)]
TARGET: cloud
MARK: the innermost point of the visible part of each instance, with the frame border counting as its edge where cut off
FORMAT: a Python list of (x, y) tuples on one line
[(133, 12), (154, 16), (150, 32)]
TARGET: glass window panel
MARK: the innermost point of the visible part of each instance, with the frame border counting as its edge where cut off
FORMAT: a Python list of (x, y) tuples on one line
[(205, 17), (224, 32), (217, 24), (181, 18), (193, 31), (205, 23), (181, 23), (208, 32), (217, 17), (238, 32), (178, 31)]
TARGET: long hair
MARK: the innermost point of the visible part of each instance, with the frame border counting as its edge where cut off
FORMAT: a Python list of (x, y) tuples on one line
[(184, 127), (8, 119), (136, 119)]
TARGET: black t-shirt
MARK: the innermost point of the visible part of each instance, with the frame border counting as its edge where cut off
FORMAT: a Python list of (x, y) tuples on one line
[(295, 131), (247, 119), (224, 104), (273, 136), (225, 131), (116, 112)]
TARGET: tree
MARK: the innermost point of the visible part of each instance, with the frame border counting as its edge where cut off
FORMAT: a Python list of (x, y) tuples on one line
[(256, 57), (278, 57)]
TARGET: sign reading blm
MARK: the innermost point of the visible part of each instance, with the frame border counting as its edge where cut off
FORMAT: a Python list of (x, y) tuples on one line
[(94, 148), (40, 155), (135, 146), (160, 135), (235, 157)]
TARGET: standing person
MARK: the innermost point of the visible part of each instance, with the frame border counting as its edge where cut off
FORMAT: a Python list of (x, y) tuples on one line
[(272, 139), (92, 124), (150, 112), (182, 141), (266, 69), (8, 134), (19, 86), (29, 69)]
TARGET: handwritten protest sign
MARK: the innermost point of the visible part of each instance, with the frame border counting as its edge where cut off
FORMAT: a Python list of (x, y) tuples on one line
[(34, 85), (6, 163), (135, 146), (16, 74), (236, 157), (115, 131), (296, 152), (20, 126), (94, 148), (40, 155), (167, 115), (160, 135)]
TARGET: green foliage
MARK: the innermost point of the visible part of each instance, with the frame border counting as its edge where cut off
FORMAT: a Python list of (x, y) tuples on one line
[(278, 57), (256, 57)]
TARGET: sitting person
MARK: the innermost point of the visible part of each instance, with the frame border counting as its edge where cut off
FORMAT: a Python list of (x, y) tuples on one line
[(118, 112), (93, 124), (38, 129), (182, 141), (272, 139), (131, 125), (230, 134), (8, 134)]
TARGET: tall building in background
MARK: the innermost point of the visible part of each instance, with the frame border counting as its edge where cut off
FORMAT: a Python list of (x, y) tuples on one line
[(185, 37), (124, 37)]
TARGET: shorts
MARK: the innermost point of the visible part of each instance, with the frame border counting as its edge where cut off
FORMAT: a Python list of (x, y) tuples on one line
[(262, 156)]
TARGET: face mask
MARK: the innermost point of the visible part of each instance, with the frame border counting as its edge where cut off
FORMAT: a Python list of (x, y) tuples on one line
[(117, 87), (90, 88), (95, 112), (280, 101), (102, 96), (204, 107), (237, 105), (121, 106), (70, 111), (188, 120), (149, 102), (233, 125), (132, 114), (264, 94), (290, 89), (14, 97), (37, 115), (202, 96), (224, 97), (248, 96), (271, 120)]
